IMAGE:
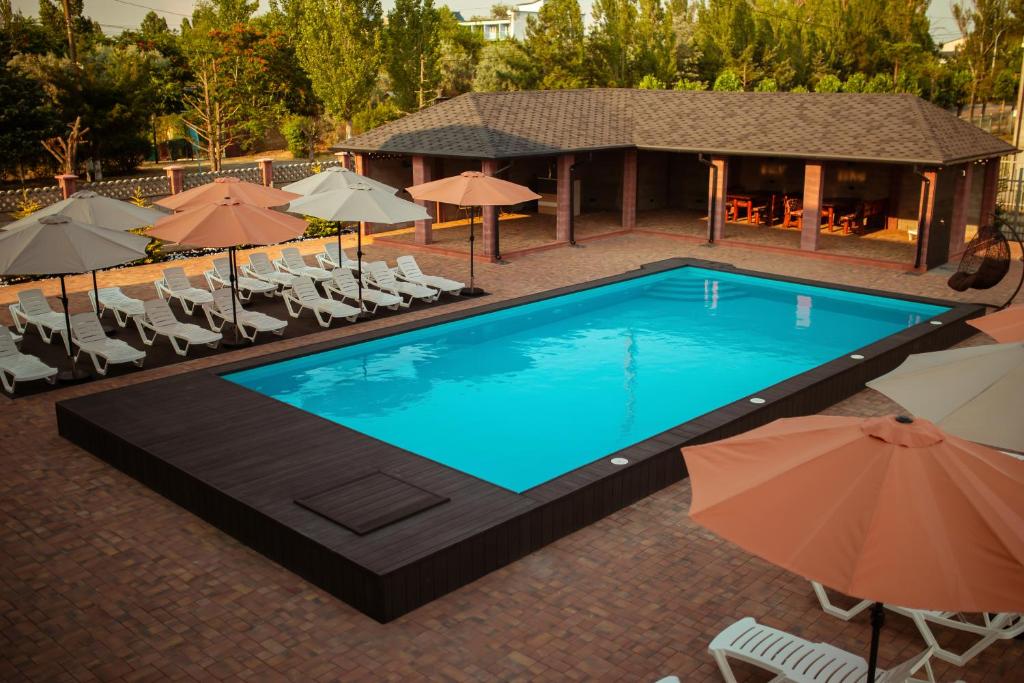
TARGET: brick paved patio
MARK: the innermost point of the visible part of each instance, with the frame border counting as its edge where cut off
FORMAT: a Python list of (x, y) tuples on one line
[(526, 232), (104, 580)]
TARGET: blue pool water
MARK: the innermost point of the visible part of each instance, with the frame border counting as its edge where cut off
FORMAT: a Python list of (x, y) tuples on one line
[(523, 395)]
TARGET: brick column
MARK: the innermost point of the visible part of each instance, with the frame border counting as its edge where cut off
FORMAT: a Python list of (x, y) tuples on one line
[(68, 184), (925, 213), (989, 191), (563, 211), (814, 186), (176, 178), (718, 182), (629, 181), (961, 203), (266, 167), (490, 213), (343, 159), (422, 173)]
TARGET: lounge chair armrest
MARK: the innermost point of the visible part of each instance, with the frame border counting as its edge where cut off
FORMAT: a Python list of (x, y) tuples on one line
[(143, 326)]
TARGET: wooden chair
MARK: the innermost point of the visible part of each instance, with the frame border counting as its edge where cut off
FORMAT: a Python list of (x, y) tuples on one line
[(793, 213)]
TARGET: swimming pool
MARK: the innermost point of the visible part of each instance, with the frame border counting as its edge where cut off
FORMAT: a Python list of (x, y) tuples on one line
[(522, 395)]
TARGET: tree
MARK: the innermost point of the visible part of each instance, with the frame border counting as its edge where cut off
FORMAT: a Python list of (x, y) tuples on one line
[(458, 52), (649, 82), (25, 119), (69, 31), (689, 84), (982, 23), (611, 43), (339, 47), (766, 85), (555, 44), (412, 47), (500, 67), (654, 41)]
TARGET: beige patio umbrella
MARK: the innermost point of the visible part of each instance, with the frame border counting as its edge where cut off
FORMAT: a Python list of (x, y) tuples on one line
[(227, 188), (1004, 326), (334, 178), (976, 392), (228, 223), (887, 509), (58, 245), (472, 189), (358, 202), (86, 206)]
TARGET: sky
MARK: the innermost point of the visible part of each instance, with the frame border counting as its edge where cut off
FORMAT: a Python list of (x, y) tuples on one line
[(117, 14)]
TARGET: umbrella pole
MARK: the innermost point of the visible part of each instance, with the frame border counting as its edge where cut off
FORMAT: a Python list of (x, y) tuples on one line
[(359, 262), (74, 374), (233, 281), (471, 290), (877, 620)]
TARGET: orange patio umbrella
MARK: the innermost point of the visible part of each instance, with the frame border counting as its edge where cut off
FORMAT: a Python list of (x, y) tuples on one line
[(472, 189), (888, 509), (227, 188), (1005, 326), (228, 223)]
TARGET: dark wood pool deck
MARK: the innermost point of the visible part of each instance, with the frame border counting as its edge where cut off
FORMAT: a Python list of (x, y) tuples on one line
[(275, 476)]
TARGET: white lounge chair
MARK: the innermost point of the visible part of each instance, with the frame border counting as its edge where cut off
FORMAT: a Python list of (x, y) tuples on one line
[(117, 302), (250, 323), (795, 660), (14, 335), (16, 366), (220, 276), (89, 337), (260, 268), (333, 257), (33, 309), (378, 274), (343, 284), (303, 295), (987, 627), (158, 320), (409, 271), (176, 285), (291, 261)]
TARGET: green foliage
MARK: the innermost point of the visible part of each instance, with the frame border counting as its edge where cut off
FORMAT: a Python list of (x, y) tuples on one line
[(880, 83), (766, 85), (412, 47), (26, 206), (375, 115), (689, 84), (318, 227), (556, 45), (650, 82), (501, 67), (857, 82), (26, 117), (339, 46), (799, 88), (295, 130), (828, 83), (728, 80), (1005, 86), (459, 49)]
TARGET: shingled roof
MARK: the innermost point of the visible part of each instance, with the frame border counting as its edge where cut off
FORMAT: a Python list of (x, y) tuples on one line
[(891, 128)]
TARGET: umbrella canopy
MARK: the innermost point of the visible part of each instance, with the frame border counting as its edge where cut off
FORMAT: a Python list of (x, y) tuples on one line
[(358, 202), (888, 509), (85, 206), (473, 188), (975, 392), (57, 244), (227, 223), (227, 188), (1005, 326), (335, 178)]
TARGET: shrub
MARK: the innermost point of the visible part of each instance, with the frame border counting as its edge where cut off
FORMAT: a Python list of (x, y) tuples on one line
[(296, 131), (828, 83), (650, 82), (766, 85), (858, 82), (728, 80), (690, 84)]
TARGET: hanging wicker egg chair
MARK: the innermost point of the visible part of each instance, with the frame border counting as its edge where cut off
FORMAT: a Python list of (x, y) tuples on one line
[(985, 262)]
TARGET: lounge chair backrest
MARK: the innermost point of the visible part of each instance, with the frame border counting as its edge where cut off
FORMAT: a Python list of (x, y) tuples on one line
[(899, 674), (346, 282), (381, 274), (7, 346), (222, 300), (305, 290), (159, 313), (292, 258), (33, 302), (86, 327), (222, 268), (333, 252), (409, 266), (176, 279), (260, 263)]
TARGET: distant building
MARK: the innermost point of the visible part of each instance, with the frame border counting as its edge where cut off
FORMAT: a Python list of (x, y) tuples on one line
[(512, 27)]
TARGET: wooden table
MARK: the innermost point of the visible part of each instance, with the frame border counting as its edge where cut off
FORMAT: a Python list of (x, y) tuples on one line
[(831, 205), (747, 199)]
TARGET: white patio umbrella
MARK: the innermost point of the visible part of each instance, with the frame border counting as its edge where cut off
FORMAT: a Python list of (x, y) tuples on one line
[(86, 206), (334, 178), (58, 245), (358, 202), (975, 393)]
